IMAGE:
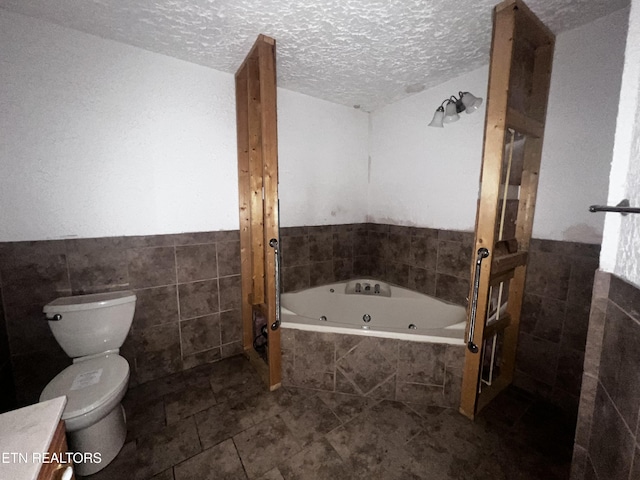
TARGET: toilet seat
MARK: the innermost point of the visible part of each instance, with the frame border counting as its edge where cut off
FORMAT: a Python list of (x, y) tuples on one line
[(89, 384)]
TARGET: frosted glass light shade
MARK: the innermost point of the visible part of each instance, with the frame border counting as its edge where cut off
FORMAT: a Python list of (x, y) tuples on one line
[(471, 102), (451, 113), (437, 118)]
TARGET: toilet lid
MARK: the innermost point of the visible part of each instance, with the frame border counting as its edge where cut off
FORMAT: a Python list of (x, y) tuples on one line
[(88, 384)]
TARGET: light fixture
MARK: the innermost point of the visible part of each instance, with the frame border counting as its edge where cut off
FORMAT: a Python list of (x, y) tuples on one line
[(438, 117), (470, 101), (449, 109)]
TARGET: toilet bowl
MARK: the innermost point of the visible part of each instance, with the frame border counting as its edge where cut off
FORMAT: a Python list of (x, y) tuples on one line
[(91, 328)]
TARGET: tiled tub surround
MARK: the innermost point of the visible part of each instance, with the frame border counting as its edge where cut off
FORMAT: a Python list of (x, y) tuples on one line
[(318, 255), (381, 368), (607, 442), (435, 262), (187, 311)]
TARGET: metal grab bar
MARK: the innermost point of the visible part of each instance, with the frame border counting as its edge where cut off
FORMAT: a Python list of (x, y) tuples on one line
[(622, 208), (482, 254), (273, 243)]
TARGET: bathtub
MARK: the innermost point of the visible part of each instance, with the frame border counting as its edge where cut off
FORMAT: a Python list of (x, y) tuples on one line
[(394, 312)]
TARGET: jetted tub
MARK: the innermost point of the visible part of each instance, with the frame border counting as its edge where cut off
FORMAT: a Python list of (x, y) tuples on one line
[(394, 312)]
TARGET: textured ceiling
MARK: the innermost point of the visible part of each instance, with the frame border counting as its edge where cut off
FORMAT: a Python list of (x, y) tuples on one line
[(354, 52)]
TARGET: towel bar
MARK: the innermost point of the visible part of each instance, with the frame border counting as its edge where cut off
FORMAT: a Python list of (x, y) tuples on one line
[(622, 208)]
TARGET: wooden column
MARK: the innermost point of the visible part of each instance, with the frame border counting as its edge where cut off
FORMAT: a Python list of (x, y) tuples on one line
[(256, 115)]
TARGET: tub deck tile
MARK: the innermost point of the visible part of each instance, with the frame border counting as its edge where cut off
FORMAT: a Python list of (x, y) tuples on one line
[(370, 363)]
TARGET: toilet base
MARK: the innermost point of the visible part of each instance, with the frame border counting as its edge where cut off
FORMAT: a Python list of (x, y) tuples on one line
[(105, 437)]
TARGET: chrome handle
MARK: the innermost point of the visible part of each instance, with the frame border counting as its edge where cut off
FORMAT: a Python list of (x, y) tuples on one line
[(482, 254), (273, 243), (56, 318)]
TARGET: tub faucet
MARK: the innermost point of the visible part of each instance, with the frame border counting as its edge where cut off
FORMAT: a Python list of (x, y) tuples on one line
[(376, 288), (358, 288), (367, 287)]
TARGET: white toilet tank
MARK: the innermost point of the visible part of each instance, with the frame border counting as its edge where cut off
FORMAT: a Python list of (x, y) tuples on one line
[(91, 324)]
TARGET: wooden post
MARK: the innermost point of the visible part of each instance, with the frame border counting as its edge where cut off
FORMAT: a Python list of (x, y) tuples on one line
[(256, 109), (490, 176), (519, 78), (242, 123)]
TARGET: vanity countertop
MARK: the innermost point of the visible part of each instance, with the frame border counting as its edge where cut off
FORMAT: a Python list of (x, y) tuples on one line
[(25, 435)]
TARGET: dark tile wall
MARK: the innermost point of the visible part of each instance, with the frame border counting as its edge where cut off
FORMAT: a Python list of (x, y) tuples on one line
[(188, 289), (318, 255), (435, 262), (555, 318), (7, 393), (187, 312), (607, 443), (382, 368)]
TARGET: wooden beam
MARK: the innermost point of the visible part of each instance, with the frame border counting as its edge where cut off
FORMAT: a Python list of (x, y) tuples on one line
[(505, 263), (242, 115), (543, 63), (253, 52), (535, 31), (530, 27), (506, 4), (514, 310), (256, 184), (268, 94), (521, 58), (520, 122), (256, 112), (490, 177), (503, 277), (497, 326)]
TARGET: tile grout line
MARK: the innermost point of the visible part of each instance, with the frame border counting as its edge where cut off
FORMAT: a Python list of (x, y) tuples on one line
[(335, 364), (244, 468), (175, 267), (219, 305), (631, 317), (66, 263), (633, 434), (397, 371)]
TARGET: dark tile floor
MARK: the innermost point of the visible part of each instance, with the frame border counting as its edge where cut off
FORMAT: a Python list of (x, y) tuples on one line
[(218, 422)]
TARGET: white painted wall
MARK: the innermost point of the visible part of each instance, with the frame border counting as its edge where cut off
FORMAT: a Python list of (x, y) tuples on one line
[(580, 129), (620, 252), (429, 177), (322, 156), (100, 139)]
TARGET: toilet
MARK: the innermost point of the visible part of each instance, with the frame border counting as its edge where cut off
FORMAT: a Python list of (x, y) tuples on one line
[(91, 329)]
